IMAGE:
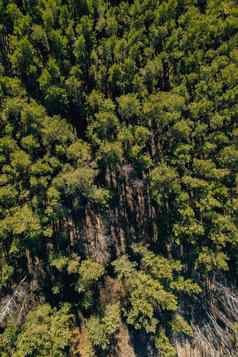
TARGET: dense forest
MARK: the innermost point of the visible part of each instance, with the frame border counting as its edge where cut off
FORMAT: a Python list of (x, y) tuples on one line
[(118, 178)]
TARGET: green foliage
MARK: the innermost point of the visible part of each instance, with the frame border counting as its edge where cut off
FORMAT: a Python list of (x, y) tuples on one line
[(101, 330), (118, 124), (147, 289), (164, 346), (46, 332), (6, 274), (89, 273), (8, 341), (179, 325)]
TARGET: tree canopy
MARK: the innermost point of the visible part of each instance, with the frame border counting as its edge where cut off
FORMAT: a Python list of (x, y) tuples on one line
[(118, 163)]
